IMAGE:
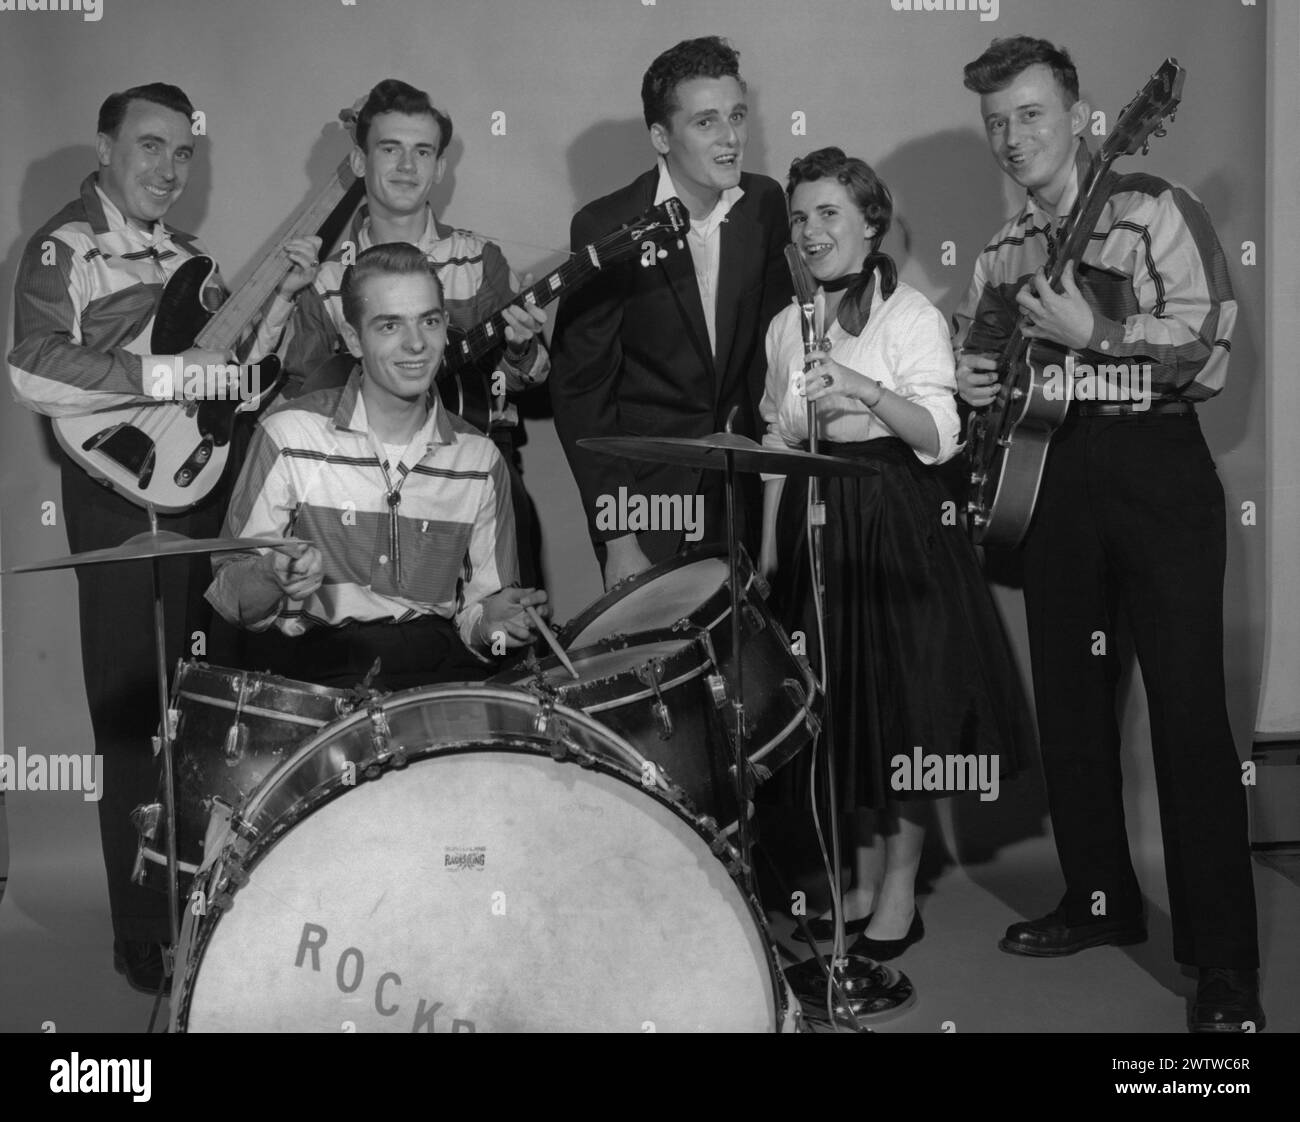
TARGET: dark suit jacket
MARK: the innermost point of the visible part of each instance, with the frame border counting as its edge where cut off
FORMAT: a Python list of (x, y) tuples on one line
[(630, 354)]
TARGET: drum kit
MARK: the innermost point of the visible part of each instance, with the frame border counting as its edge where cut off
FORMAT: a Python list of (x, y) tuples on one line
[(564, 848)]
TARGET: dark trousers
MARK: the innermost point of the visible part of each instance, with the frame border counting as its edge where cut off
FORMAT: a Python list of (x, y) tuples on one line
[(119, 664), (1131, 518), (420, 652)]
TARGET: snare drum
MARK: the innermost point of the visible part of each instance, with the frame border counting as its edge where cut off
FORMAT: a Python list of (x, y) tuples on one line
[(473, 859), (232, 728), (690, 595)]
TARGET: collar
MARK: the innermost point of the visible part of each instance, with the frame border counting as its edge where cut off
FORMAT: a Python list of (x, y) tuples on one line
[(1034, 213), (350, 416), (434, 231), (708, 224), (105, 218)]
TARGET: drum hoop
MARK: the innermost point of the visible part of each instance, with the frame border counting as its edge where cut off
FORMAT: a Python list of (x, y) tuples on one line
[(689, 556), (255, 710), (258, 849), (700, 665)]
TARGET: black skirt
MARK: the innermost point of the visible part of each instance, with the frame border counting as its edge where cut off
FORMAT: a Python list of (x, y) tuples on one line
[(917, 654)]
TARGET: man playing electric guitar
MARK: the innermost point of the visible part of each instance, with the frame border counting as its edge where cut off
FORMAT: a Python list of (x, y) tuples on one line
[(401, 143), (86, 297), (1130, 517)]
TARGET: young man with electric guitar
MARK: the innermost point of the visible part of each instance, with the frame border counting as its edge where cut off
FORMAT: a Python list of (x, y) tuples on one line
[(1129, 518), (89, 311), (400, 149)]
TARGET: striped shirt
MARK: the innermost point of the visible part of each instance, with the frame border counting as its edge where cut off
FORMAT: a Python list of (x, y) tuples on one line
[(1153, 273), (316, 471), (476, 283), (85, 297)]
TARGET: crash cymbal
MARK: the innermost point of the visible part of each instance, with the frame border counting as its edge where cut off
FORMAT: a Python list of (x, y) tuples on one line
[(148, 545), (710, 452)]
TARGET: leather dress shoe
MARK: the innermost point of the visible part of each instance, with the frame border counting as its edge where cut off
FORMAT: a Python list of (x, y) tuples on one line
[(1051, 936), (882, 950), (142, 965), (1226, 1001), (823, 930)]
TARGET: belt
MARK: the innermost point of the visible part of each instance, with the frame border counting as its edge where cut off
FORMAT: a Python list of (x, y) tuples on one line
[(1132, 409)]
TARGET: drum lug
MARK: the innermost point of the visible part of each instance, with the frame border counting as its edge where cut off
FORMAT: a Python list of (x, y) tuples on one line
[(236, 743), (650, 673), (717, 689), (795, 692), (753, 617), (379, 741), (145, 818)]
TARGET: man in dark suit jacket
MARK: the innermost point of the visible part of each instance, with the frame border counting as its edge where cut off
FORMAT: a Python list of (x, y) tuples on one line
[(669, 346)]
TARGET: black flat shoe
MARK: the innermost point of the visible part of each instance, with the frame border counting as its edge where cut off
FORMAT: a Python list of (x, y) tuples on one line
[(823, 930), (882, 950), (142, 965), (1050, 936), (1226, 1001)]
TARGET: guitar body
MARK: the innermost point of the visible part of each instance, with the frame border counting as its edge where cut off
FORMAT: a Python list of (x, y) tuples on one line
[(1008, 446)]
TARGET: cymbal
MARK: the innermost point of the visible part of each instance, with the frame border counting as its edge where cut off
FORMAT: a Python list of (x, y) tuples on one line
[(148, 545), (710, 452)]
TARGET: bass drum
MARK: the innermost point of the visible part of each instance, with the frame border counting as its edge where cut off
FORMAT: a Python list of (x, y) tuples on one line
[(473, 859)]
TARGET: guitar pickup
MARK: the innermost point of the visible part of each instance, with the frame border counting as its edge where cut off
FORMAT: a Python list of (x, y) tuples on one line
[(198, 459), (127, 447)]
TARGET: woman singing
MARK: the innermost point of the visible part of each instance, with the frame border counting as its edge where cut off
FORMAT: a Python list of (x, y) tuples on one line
[(915, 652)]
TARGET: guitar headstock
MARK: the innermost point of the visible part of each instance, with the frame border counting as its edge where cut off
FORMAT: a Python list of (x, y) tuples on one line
[(1145, 114), (349, 116), (656, 225)]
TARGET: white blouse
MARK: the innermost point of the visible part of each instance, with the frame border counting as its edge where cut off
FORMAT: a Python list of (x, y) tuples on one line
[(905, 346)]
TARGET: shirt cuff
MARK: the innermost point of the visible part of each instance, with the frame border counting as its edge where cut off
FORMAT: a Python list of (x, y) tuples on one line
[(468, 626), (1107, 335)]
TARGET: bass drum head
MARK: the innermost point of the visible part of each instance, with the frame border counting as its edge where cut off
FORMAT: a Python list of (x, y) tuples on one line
[(485, 887)]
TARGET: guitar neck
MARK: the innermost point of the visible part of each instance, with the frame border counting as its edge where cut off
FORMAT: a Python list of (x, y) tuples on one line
[(1078, 230), (483, 337), (231, 320)]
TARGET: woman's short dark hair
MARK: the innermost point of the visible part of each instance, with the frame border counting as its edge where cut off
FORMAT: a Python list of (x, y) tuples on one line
[(395, 96), (387, 259), (998, 66), (865, 187), (710, 57), (113, 112)]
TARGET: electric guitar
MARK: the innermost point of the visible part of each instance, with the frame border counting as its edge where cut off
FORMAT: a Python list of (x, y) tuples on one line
[(171, 454), (1009, 438), (472, 357)]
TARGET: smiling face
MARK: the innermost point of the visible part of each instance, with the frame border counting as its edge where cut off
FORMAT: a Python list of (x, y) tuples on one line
[(1032, 132), (704, 142), (144, 169), (400, 341), (402, 163), (829, 229)]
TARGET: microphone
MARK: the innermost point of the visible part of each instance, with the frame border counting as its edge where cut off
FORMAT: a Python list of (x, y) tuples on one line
[(812, 322)]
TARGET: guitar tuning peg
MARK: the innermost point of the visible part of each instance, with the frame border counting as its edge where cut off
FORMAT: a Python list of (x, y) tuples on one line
[(664, 253), (1161, 131), (680, 244), (1146, 148)]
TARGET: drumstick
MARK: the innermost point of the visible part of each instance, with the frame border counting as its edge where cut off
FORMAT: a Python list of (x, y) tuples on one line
[(551, 641)]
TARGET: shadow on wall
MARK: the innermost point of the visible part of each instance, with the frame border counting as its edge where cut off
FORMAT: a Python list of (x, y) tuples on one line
[(945, 189)]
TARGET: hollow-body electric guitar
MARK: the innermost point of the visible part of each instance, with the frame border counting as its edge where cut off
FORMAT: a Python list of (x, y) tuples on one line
[(1009, 439)]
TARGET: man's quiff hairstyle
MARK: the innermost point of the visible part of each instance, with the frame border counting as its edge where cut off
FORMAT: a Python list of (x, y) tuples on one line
[(400, 259), (710, 57), (395, 96), (113, 112), (998, 66)]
